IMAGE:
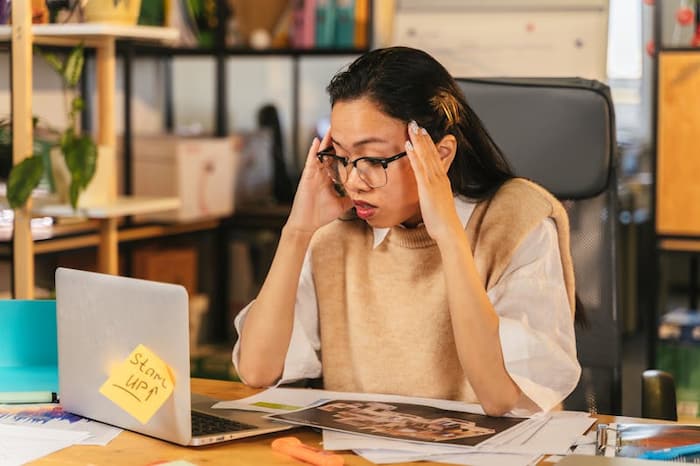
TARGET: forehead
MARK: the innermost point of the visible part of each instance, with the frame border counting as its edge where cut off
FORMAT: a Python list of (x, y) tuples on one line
[(358, 120)]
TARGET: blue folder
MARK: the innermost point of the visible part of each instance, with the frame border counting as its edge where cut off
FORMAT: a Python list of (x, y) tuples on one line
[(28, 347)]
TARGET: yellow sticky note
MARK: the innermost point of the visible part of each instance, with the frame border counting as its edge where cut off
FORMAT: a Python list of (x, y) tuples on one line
[(141, 384)]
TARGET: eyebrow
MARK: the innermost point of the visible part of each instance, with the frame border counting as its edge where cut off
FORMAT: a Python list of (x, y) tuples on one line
[(362, 142)]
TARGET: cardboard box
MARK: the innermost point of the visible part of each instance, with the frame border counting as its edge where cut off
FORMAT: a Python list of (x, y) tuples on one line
[(200, 171), (169, 265)]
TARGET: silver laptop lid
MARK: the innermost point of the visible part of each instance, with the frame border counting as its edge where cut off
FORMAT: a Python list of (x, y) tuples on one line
[(101, 319)]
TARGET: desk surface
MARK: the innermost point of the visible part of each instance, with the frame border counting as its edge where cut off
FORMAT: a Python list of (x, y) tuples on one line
[(138, 450)]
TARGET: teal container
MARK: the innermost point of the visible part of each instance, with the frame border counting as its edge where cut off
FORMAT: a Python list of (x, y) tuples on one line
[(28, 346)]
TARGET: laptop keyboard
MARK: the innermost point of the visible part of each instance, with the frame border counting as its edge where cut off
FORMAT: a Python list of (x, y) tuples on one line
[(205, 424)]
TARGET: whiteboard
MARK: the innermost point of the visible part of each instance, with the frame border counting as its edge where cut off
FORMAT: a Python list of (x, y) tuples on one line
[(535, 40)]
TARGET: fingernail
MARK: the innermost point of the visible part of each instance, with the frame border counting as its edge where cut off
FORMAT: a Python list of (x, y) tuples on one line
[(423, 131), (409, 146), (413, 126)]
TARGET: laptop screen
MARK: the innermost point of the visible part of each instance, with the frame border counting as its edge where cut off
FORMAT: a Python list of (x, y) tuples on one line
[(101, 319)]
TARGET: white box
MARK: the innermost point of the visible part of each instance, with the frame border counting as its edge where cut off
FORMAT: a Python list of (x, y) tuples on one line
[(200, 171)]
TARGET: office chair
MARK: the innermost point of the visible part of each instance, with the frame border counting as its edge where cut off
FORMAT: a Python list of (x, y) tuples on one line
[(560, 133)]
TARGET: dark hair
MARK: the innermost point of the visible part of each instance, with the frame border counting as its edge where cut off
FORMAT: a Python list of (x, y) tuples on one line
[(408, 84)]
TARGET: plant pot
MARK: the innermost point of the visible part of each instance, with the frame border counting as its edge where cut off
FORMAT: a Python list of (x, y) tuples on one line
[(113, 11), (100, 191)]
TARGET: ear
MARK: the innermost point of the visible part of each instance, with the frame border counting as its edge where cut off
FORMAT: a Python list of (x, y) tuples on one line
[(447, 148)]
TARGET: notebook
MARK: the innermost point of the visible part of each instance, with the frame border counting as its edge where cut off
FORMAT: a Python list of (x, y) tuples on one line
[(100, 320)]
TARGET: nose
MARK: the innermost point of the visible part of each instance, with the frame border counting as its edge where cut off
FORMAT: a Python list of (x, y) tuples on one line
[(354, 182)]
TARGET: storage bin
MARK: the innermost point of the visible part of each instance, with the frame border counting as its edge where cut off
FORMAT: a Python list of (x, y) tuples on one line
[(201, 172)]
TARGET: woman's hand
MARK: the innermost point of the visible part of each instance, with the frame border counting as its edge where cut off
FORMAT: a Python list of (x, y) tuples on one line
[(316, 202), (434, 190)]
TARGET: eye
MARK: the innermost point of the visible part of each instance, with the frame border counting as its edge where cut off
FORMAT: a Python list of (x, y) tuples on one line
[(374, 161)]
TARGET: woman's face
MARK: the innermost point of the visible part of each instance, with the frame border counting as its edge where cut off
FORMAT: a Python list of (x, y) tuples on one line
[(360, 129)]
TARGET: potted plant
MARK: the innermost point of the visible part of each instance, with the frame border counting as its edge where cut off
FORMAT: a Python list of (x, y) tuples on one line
[(79, 150), (112, 11)]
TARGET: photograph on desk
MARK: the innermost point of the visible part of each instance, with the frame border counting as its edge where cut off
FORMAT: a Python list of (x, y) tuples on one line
[(401, 421), (651, 441)]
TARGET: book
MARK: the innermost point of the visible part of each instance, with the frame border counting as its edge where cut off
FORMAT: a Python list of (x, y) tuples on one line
[(634, 440), (401, 421), (303, 24), (344, 34), (325, 23), (361, 39)]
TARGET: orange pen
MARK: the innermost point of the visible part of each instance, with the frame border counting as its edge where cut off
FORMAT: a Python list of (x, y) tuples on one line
[(293, 447)]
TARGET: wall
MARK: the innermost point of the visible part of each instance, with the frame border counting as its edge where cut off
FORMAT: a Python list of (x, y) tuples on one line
[(252, 82)]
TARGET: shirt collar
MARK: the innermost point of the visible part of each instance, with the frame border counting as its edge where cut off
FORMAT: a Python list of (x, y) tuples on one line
[(464, 209)]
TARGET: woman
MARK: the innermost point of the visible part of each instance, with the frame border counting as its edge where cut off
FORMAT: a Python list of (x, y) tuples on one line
[(450, 278)]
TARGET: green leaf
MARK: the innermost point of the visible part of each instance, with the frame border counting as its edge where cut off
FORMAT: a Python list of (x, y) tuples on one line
[(81, 158), (52, 60), (77, 104), (24, 177), (73, 68), (74, 192)]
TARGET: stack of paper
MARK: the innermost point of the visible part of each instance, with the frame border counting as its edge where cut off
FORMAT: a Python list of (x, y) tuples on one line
[(389, 429), (51, 416), (21, 444)]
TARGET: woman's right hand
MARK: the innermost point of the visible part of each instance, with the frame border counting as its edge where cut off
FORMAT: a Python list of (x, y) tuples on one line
[(316, 201)]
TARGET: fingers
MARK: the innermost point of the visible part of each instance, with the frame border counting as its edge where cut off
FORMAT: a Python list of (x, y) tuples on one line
[(422, 151), (313, 150), (316, 146)]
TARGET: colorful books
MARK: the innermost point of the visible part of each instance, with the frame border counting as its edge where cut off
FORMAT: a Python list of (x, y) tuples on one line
[(330, 24)]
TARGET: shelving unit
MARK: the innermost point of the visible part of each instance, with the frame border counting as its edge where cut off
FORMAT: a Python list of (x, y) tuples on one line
[(675, 145), (103, 38), (269, 218), (675, 209), (107, 227)]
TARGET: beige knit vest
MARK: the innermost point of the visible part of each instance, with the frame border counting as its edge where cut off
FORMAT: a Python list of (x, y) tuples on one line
[(384, 321)]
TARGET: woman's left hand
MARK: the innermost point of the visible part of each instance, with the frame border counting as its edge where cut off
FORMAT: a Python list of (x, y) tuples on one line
[(434, 190)]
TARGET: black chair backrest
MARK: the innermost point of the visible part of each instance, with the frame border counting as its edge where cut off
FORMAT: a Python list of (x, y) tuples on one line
[(560, 133)]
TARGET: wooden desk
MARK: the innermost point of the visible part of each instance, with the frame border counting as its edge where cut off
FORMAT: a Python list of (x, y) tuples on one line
[(137, 450)]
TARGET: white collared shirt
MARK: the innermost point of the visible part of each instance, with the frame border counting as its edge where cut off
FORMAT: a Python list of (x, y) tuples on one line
[(535, 324)]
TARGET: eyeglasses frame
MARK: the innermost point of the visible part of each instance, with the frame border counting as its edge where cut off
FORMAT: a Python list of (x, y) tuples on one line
[(384, 162)]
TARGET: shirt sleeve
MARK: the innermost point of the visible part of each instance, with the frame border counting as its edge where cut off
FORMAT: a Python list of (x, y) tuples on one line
[(536, 327), (302, 360)]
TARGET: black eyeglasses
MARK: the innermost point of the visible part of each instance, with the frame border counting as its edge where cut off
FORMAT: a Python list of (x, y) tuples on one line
[(372, 170)]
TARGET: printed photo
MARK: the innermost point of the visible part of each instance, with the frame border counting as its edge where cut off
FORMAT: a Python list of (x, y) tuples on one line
[(401, 421)]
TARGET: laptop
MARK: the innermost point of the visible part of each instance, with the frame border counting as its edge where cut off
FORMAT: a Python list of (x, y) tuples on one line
[(100, 320)]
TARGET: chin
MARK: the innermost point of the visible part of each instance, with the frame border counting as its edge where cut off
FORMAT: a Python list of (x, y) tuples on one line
[(379, 223)]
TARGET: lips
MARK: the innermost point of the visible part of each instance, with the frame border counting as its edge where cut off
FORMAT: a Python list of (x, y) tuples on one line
[(364, 210)]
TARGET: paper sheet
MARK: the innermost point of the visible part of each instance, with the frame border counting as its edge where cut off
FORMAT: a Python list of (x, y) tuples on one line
[(52, 416), (474, 458), (284, 400), (551, 433), (140, 384), (21, 444), (537, 436)]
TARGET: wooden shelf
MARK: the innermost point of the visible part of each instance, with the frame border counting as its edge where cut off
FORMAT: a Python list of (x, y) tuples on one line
[(102, 37), (123, 206), (84, 234), (157, 50), (84, 31), (679, 244)]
